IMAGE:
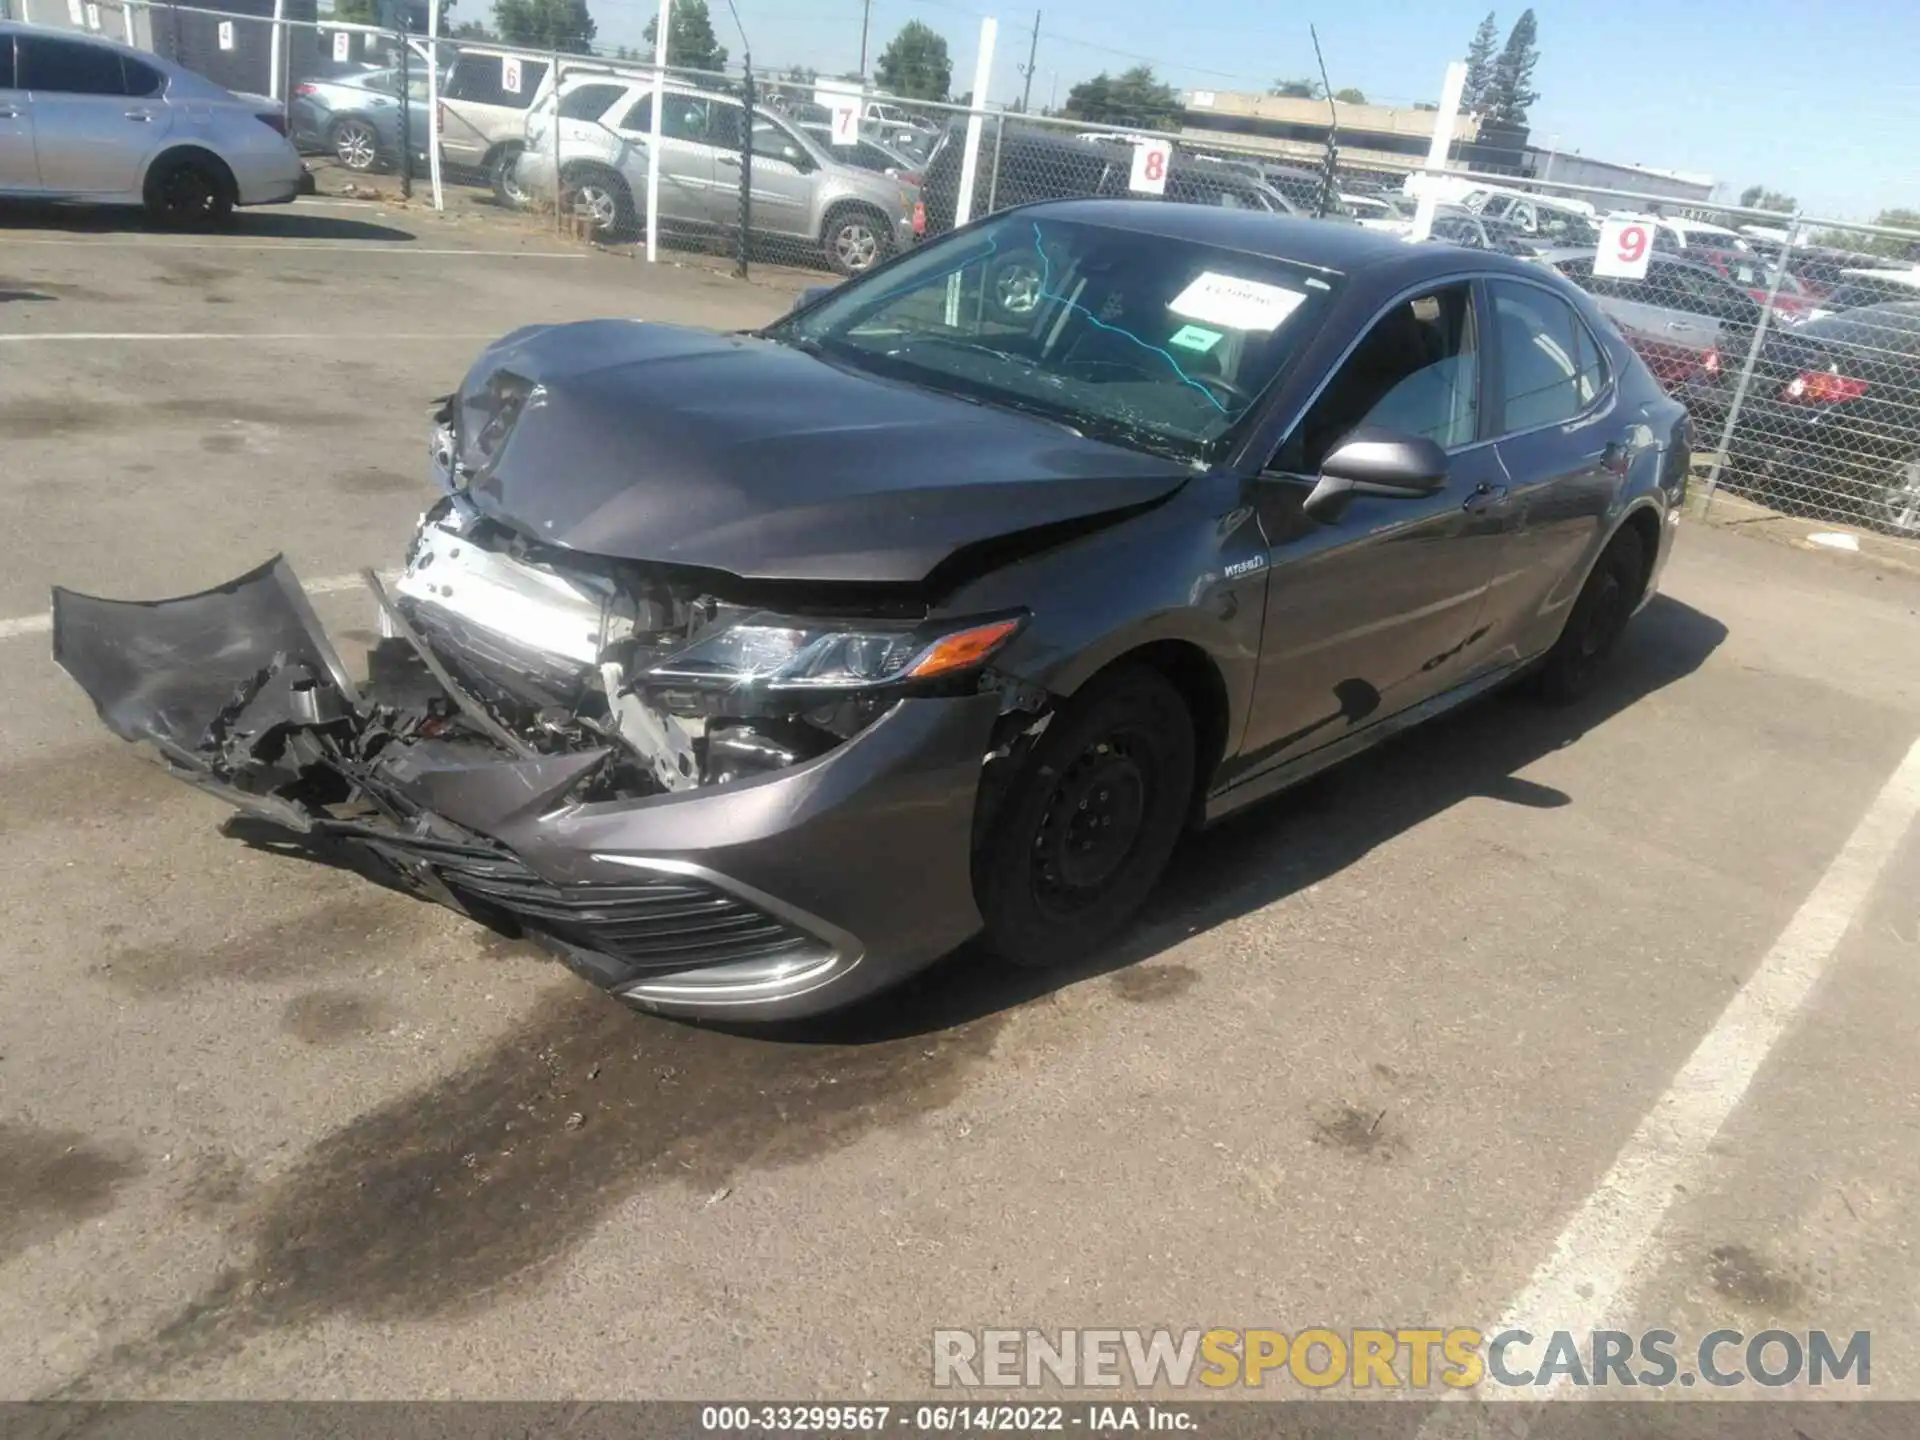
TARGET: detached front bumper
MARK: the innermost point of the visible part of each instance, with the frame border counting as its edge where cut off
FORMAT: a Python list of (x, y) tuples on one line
[(777, 897)]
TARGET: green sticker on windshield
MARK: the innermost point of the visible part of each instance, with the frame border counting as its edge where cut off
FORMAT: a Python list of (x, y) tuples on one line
[(1194, 337)]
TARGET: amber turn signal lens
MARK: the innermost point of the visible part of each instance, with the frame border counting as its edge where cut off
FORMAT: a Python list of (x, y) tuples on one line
[(963, 648)]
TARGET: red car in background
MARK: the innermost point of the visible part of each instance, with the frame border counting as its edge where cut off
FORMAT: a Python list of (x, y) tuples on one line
[(1791, 303)]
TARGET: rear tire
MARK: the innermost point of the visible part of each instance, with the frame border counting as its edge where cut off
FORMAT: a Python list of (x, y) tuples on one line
[(1597, 621), (1897, 502), (189, 191), (856, 239), (604, 194), (508, 193), (353, 141), (1085, 829)]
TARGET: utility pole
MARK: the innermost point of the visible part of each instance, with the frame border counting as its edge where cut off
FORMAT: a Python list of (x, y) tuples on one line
[(866, 13), (1033, 48)]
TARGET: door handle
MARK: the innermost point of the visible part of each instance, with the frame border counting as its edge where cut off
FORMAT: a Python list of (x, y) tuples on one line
[(1487, 497), (733, 160), (1676, 325), (8, 112), (141, 115)]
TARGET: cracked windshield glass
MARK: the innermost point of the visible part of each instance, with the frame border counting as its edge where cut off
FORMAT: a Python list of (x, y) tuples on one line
[(1147, 340)]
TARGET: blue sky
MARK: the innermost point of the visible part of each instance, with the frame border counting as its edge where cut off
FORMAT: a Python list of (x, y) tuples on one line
[(1820, 101)]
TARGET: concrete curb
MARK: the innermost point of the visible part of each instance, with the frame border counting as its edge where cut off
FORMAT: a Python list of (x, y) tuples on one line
[(1735, 512)]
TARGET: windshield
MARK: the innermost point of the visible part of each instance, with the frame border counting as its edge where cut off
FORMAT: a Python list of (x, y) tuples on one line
[(1145, 340), (1566, 227)]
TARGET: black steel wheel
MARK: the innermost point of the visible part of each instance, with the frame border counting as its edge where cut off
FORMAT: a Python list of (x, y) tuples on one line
[(189, 190), (1597, 621), (1085, 830)]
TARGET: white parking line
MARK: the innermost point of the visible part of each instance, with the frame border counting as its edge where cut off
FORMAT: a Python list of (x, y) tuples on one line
[(1593, 1264), (359, 337), (22, 625), (362, 247)]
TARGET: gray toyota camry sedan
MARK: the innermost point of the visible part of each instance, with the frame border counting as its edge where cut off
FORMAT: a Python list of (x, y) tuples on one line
[(750, 673)]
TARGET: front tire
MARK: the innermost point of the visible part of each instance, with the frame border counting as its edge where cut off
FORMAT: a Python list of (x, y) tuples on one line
[(1086, 828), (189, 191), (605, 197), (1597, 621), (1897, 503)]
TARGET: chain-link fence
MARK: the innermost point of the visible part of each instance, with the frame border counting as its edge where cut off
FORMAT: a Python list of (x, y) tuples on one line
[(1794, 341)]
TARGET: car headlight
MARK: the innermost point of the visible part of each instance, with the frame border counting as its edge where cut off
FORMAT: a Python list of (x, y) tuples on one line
[(786, 654)]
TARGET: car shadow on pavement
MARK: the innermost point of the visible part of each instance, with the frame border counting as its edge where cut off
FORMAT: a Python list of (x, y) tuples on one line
[(1302, 837), (280, 224)]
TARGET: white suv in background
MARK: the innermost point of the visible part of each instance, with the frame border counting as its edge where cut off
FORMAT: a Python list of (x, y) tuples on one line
[(800, 192), (85, 118)]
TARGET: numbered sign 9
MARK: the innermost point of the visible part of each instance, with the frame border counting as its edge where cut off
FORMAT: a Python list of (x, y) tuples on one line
[(1150, 160), (1626, 246), (846, 120), (510, 74)]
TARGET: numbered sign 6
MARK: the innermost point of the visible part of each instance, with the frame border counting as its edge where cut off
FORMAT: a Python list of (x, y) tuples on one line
[(846, 121), (510, 74), (1626, 246), (1150, 160)]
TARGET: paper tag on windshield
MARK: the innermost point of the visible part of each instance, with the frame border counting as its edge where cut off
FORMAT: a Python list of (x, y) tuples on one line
[(1217, 299), (1193, 337)]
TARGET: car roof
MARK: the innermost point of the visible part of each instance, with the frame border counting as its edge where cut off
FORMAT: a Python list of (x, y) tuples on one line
[(1345, 249), (1587, 252)]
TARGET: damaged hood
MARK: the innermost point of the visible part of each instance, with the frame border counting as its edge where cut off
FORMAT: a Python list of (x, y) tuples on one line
[(729, 452)]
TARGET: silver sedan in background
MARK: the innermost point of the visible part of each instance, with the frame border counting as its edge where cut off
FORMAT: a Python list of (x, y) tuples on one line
[(85, 118)]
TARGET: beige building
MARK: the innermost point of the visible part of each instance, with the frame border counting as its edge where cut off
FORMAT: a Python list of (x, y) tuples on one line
[(1372, 137)]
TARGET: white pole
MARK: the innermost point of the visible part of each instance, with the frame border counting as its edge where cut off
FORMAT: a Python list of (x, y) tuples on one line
[(433, 101), (970, 157), (126, 17), (274, 50), (1443, 122), (653, 137)]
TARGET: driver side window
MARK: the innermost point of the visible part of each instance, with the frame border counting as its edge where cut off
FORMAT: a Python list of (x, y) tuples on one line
[(1417, 371)]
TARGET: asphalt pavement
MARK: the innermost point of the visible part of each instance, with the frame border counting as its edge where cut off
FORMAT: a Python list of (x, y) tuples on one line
[(1384, 1052)]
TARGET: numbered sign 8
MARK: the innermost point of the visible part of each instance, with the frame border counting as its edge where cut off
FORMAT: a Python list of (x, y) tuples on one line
[(846, 120), (510, 74), (1626, 247), (1150, 160), (342, 41)]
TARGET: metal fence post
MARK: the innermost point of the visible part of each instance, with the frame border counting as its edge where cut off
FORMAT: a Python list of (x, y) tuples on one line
[(993, 176), (406, 118), (559, 187), (1746, 370), (746, 169)]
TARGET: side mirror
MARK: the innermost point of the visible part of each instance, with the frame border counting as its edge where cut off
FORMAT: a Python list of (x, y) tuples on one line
[(1372, 460)]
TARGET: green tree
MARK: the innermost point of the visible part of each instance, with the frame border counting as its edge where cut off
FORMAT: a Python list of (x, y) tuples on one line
[(1512, 92), (691, 43), (801, 74), (1350, 96), (545, 24), (356, 12), (1307, 89), (1759, 197), (1133, 98), (1473, 95), (915, 65), (1891, 246)]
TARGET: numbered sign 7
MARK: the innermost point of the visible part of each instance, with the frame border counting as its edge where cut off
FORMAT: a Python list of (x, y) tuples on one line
[(1150, 160), (1626, 247)]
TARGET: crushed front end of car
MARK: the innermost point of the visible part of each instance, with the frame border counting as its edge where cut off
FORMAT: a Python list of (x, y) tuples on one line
[(703, 806)]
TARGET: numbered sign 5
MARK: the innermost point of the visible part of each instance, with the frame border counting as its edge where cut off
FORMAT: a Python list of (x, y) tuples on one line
[(1150, 160), (510, 74), (342, 43), (1626, 247), (846, 122)]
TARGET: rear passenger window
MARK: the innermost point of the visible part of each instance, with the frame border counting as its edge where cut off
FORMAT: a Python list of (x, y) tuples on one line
[(69, 67), (590, 102), (481, 79), (6, 62), (143, 81), (1551, 366)]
